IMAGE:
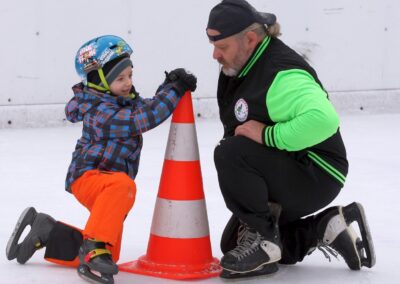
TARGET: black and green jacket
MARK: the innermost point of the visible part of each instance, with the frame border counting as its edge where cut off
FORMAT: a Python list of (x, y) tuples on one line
[(279, 88)]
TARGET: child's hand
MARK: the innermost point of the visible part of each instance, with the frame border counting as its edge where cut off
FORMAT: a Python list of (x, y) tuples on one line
[(181, 80)]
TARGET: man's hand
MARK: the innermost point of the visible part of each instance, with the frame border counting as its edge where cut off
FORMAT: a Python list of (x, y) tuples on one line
[(251, 129)]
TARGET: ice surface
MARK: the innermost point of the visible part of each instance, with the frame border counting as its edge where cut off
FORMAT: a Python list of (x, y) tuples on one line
[(33, 164)]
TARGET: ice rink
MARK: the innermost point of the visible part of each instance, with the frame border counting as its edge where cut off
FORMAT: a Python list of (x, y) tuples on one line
[(33, 164)]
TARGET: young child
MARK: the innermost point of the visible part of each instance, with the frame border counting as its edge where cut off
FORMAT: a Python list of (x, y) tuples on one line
[(105, 161)]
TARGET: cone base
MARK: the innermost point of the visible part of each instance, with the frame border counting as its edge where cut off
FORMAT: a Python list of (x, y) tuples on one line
[(178, 272)]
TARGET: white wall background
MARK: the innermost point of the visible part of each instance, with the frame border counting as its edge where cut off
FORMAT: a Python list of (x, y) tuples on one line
[(353, 45)]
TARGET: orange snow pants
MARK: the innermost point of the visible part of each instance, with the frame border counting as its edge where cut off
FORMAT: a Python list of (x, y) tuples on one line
[(109, 196)]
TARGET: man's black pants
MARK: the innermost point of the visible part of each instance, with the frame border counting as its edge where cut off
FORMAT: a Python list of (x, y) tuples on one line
[(251, 175)]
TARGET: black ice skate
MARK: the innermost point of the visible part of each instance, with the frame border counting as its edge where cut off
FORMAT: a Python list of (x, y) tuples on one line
[(253, 251), (41, 225), (230, 234), (96, 264), (337, 236)]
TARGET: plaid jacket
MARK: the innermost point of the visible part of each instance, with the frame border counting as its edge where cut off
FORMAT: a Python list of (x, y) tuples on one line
[(112, 128)]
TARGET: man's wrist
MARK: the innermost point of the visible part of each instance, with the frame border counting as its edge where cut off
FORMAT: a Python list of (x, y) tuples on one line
[(263, 135)]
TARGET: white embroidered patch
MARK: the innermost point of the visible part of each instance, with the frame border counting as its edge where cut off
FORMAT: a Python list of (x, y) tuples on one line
[(241, 110)]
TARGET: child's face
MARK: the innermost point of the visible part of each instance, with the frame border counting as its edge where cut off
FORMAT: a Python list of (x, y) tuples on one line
[(122, 85)]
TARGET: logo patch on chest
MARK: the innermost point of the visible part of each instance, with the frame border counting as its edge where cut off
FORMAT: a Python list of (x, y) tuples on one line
[(241, 110)]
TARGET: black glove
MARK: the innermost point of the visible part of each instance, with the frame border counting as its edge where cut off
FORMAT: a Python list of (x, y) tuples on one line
[(181, 80)]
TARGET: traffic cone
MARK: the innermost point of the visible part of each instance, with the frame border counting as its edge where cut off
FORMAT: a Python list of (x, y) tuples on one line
[(179, 245)]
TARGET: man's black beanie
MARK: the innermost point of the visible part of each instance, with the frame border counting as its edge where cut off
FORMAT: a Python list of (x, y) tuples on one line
[(233, 16)]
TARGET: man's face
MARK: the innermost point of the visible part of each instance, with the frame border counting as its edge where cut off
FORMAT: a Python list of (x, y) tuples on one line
[(231, 52)]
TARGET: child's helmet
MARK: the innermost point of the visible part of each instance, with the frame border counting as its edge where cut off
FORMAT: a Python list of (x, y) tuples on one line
[(96, 52)]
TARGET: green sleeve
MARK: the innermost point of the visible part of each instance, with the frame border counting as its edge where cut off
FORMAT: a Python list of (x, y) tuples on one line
[(303, 114)]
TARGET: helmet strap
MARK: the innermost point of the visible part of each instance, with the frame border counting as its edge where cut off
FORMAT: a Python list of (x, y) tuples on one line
[(97, 87), (103, 79), (103, 87)]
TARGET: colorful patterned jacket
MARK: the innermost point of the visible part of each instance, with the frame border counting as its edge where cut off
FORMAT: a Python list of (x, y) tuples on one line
[(112, 128)]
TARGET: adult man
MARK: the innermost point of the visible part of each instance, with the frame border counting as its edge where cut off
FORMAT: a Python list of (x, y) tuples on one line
[(281, 145)]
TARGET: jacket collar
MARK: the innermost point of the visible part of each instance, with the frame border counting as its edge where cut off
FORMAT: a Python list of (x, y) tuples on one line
[(254, 57)]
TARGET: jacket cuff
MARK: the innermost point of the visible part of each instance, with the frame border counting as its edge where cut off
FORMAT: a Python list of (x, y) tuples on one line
[(268, 136)]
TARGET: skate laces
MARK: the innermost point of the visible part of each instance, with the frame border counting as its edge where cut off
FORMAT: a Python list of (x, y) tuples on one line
[(327, 251), (248, 242)]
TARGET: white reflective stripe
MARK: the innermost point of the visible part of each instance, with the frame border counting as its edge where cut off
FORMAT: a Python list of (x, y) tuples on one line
[(182, 143), (180, 219)]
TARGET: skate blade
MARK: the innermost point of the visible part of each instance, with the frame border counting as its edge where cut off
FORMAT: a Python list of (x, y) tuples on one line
[(354, 212), (92, 266), (86, 274), (26, 218), (263, 271), (250, 270)]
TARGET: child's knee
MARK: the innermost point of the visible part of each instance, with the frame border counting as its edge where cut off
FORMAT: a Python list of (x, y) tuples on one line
[(125, 188)]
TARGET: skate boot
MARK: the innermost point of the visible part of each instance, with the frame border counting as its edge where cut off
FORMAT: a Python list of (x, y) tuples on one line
[(41, 226), (229, 241), (231, 232), (253, 252), (96, 264), (237, 236), (337, 236)]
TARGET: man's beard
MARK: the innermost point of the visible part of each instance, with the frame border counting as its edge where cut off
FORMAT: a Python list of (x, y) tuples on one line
[(230, 72), (238, 62)]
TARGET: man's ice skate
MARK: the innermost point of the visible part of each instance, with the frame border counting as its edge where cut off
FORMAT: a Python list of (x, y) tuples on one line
[(41, 226), (230, 234), (336, 235), (96, 264), (252, 252), (236, 236)]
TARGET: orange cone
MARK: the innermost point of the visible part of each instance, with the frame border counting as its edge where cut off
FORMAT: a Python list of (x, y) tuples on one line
[(179, 246)]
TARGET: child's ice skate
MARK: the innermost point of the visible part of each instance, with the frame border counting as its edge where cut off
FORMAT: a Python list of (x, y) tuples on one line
[(336, 235), (41, 226), (96, 264)]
